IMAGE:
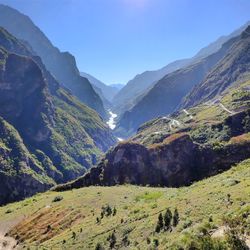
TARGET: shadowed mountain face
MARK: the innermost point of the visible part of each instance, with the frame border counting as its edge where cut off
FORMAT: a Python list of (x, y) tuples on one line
[(47, 135), (61, 64), (107, 91)]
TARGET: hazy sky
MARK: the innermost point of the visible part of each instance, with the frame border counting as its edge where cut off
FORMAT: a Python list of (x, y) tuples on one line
[(116, 39)]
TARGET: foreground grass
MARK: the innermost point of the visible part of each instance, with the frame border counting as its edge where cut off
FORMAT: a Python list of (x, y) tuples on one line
[(71, 222)]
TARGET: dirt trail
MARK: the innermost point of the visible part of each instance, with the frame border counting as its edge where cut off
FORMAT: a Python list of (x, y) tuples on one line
[(8, 243)]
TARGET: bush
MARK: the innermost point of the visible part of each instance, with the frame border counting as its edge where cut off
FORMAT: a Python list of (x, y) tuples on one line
[(99, 247), (187, 224), (112, 240), (156, 242), (57, 198)]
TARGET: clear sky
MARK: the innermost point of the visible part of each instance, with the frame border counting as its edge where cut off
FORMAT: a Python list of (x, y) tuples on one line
[(116, 39)]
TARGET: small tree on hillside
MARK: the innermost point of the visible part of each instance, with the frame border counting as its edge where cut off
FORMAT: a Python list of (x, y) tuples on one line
[(114, 211), (99, 247), (160, 224), (112, 240), (176, 218), (167, 219)]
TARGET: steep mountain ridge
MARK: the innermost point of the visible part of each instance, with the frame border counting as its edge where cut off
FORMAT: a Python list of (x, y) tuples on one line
[(167, 93), (237, 61), (132, 92), (63, 135), (61, 64)]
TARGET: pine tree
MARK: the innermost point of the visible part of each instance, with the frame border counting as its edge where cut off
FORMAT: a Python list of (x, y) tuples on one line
[(176, 218), (167, 219), (160, 224), (114, 211)]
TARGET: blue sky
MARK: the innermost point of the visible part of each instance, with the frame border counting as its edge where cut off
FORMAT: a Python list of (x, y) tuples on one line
[(116, 39)]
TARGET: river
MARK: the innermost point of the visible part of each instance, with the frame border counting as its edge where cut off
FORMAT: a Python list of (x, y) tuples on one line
[(112, 123)]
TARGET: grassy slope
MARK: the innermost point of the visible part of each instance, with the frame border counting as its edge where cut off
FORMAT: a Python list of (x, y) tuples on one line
[(137, 206)]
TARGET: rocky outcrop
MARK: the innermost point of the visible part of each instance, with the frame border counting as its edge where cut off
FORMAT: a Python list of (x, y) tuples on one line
[(176, 161), (23, 99)]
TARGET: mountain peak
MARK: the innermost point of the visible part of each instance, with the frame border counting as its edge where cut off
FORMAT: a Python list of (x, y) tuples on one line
[(246, 32)]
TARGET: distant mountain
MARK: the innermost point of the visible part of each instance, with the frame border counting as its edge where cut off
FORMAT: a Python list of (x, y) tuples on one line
[(165, 96), (47, 136), (234, 68), (118, 86), (132, 92), (106, 92), (61, 64), (167, 93)]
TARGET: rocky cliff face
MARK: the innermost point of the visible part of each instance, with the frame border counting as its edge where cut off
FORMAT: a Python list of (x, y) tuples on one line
[(176, 161), (24, 98), (61, 135), (61, 64)]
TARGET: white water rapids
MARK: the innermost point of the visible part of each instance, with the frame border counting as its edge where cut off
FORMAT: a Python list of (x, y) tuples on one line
[(112, 123)]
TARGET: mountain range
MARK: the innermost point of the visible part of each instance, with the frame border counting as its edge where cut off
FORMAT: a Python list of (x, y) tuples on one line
[(179, 179), (168, 92), (48, 135)]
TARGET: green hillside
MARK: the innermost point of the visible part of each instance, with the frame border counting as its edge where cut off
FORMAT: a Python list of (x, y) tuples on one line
[(74, 221)]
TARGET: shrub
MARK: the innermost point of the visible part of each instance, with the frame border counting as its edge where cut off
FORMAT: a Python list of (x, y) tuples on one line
[(112, 240), (57, 198), (156, 242), (114, 211), (99, 247), (125, 241), (187, 224), (8, 211)]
